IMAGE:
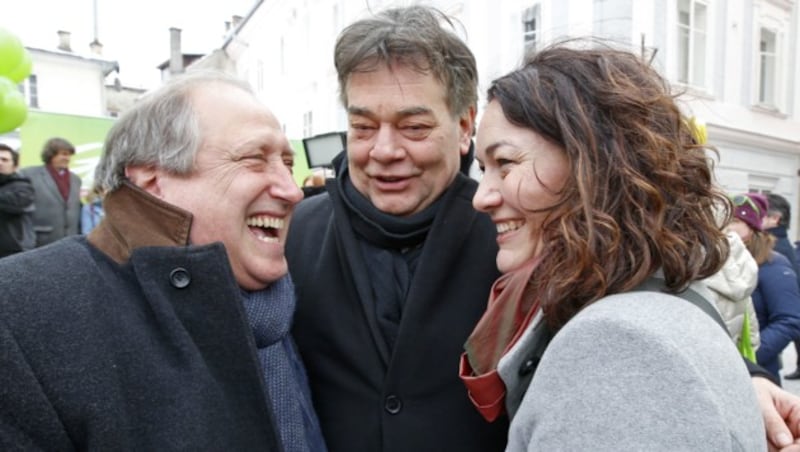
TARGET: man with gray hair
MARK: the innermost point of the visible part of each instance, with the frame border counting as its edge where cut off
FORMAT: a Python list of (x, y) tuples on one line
[(167, 327)]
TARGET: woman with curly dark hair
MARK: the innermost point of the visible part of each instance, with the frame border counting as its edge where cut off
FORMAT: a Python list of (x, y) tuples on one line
[(605, 212)]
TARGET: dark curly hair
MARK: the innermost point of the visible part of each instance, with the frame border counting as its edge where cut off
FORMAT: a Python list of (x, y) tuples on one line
[(640, 194)]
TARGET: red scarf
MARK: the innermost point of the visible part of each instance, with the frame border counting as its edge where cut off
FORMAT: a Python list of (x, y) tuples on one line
[(61, 178), (509, 311)]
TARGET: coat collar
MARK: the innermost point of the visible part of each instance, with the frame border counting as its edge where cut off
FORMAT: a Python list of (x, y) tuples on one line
[(134, 219)]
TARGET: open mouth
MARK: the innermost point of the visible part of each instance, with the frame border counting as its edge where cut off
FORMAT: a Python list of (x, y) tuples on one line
[(265, 228), (509, 226), (390, 178), (392, 183)]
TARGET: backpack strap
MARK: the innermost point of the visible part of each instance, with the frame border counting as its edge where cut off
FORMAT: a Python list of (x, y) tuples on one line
[(651, 284), (656, 285)]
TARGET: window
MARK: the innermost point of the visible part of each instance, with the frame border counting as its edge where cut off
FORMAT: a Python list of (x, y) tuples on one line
[(530, 28), (692, 42), (283, 56), (260, 75), (308, 130), (767, 71), (30, 90)]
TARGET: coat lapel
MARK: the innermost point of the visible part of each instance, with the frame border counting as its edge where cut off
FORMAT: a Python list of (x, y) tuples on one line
[(52, 188), (351, 257), (449, 233)]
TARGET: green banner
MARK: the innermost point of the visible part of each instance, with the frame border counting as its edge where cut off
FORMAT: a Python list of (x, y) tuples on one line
[(87, 134)]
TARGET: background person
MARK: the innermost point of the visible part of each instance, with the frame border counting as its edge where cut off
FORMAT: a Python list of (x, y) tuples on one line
[(777, 221), (167, 328), (599, 222), (776, 298), (91, 210), (731, 288), (16, 205), (58, 201)]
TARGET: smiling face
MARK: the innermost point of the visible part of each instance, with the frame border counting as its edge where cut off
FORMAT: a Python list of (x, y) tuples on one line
[(240, 191), (403, 145), (523, 174)]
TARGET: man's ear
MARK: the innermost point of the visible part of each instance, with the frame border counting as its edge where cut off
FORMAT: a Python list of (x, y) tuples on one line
[(144, 177), (466, 125)]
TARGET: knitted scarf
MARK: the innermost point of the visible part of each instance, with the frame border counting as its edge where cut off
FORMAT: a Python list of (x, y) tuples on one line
[(270, 312), (391, 247), (509, 312)]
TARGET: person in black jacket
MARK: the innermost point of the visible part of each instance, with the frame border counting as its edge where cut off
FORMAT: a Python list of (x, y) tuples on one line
[(16, 205), (392, 264), (779, 216)]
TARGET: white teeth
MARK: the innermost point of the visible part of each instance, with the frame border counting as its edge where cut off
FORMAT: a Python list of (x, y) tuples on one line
[(509, 226), (263, 221), (268, 239)]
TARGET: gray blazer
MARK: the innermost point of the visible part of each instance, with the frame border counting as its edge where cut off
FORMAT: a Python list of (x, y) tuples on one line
[(53, 218), (635, 371)]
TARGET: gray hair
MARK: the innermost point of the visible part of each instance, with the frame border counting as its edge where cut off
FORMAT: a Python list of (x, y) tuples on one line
[(161, 130), (413, 36)]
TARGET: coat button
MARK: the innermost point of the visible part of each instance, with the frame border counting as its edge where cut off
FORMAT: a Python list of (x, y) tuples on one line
[(393, 404), (528, 366), (179, 278)]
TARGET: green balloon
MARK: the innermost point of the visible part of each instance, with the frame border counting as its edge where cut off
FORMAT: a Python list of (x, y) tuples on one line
[(23, 69), (13, 109), (10, 52)]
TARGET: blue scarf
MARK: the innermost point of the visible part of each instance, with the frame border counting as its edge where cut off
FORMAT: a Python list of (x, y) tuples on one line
[(270, 312)]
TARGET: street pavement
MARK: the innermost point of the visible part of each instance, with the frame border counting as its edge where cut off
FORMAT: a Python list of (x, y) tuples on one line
[(789, 358)]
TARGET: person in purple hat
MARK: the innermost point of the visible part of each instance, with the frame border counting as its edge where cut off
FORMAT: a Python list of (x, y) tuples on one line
[(776, 298)]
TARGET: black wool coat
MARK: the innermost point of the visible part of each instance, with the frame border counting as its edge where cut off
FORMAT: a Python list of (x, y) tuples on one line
[(369, 398), (153, 353), (16, 209)]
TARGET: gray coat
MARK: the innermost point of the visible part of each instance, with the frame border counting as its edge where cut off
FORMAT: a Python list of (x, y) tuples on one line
[(636, 371), (54, 218)]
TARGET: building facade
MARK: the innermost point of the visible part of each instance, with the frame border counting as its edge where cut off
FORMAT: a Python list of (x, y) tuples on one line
[(65, 81), (735, 60)]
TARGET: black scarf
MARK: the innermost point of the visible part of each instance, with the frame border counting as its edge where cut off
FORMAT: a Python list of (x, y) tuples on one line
[(391, 247)]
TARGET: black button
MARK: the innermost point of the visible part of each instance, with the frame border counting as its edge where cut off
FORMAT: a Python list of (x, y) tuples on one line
[(393, 404), (179, 278), (528, 366)]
